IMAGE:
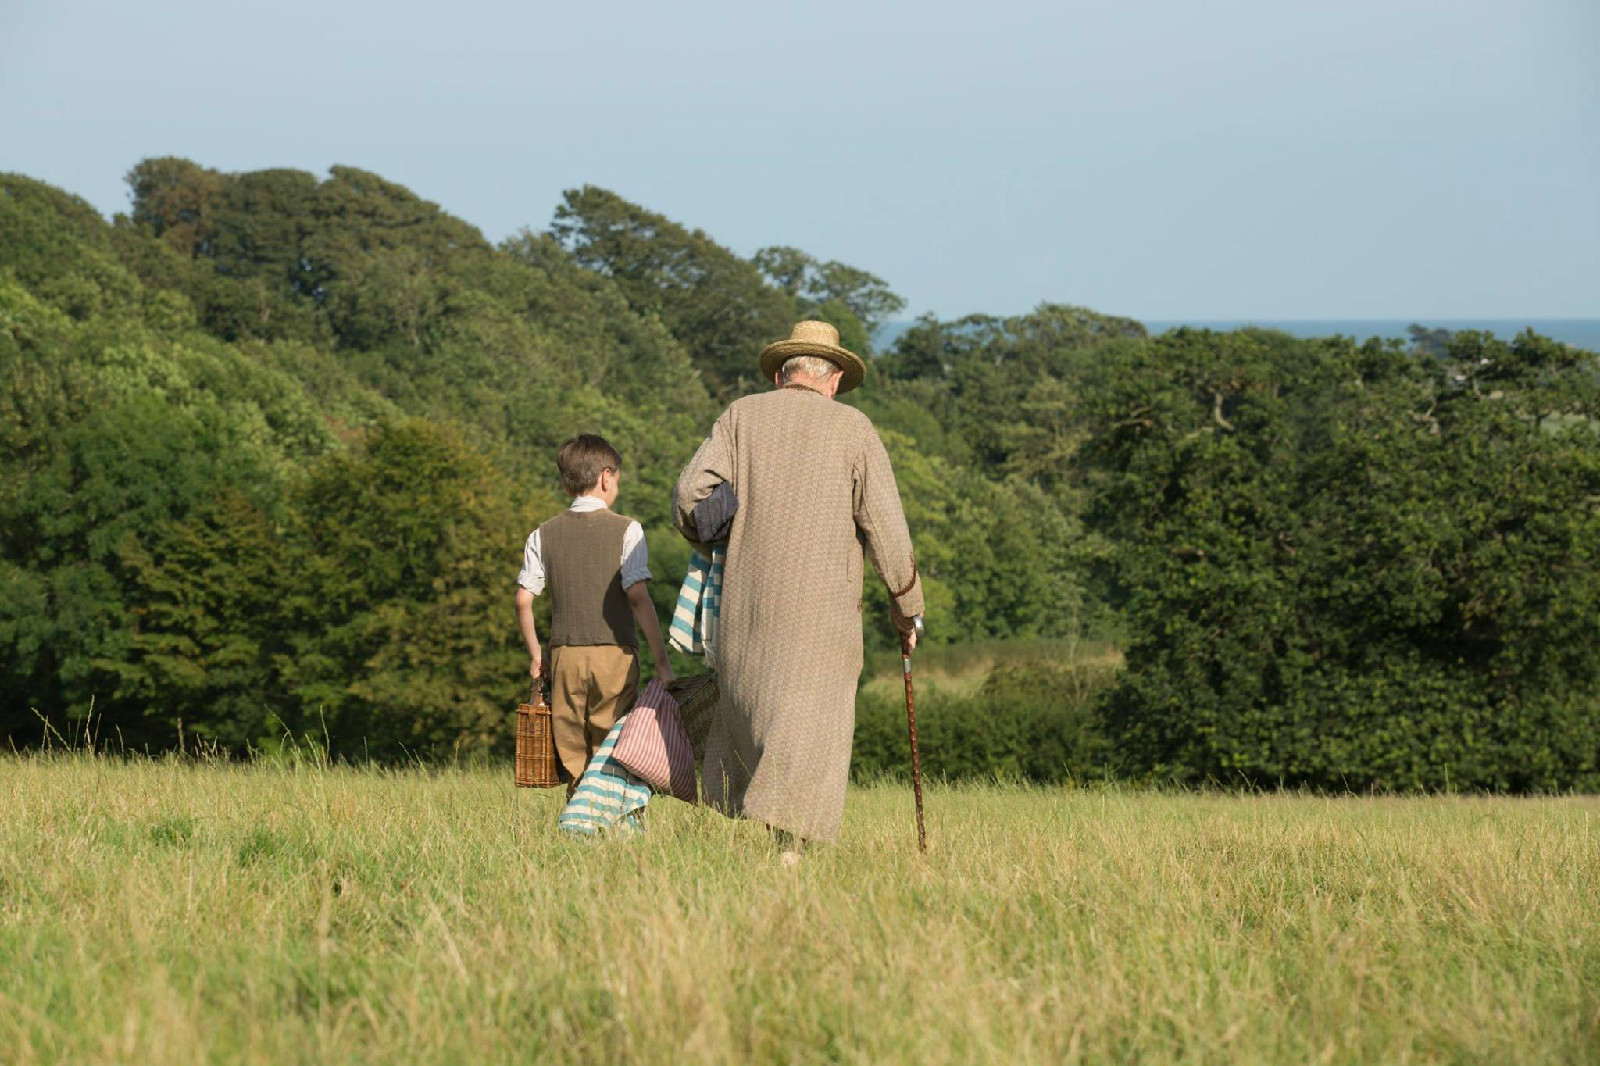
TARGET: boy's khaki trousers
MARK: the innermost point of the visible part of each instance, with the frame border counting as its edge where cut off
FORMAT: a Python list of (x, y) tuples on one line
[(591, 686)]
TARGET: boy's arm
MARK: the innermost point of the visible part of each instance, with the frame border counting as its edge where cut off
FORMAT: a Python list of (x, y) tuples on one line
[(644, 612), (530, 635), (530, 582)]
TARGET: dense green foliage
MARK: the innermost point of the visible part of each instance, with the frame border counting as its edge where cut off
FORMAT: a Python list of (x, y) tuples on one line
[(1345, 564), (270, 444), (1334, 564)]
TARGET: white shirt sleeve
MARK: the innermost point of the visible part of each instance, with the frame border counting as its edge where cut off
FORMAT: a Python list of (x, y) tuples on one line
[(532, 576), (635, 557)]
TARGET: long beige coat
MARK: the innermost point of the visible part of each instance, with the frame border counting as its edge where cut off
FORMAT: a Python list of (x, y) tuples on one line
[(814, 487)]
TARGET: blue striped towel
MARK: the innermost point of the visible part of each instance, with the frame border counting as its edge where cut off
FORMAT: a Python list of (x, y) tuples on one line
[(608, 797), (694, 620)]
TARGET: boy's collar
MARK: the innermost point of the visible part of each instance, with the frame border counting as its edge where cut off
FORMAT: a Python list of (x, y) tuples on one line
[(588, 503)]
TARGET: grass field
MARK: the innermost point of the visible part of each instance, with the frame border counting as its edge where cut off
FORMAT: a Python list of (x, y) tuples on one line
[(175, 912)]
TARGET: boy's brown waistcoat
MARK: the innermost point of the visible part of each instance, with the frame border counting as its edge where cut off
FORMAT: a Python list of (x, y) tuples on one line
[(582, 552)]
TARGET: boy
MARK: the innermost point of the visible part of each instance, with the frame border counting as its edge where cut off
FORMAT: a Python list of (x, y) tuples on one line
[(597, 566)]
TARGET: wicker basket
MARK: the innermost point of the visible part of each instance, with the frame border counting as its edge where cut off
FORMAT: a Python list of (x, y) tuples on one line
[(537, 764), (697, 698)]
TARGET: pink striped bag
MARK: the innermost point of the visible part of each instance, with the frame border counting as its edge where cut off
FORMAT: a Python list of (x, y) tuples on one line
[(654, 746)]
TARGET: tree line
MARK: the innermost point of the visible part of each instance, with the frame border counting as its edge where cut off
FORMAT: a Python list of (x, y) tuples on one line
[(270, 444)]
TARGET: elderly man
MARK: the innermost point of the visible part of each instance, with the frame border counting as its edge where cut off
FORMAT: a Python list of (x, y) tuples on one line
[(814, 487)]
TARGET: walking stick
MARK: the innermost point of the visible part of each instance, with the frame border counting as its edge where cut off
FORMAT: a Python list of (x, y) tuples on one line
[(911, 725)]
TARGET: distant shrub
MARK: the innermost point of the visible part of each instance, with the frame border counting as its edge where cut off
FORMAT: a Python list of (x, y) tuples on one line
[(1032, 722)]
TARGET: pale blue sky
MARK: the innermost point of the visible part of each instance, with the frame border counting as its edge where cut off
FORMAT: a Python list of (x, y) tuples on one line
[(1162, 159)]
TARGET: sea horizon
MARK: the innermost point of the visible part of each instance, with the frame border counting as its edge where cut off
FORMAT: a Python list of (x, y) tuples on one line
[(1579, 332)]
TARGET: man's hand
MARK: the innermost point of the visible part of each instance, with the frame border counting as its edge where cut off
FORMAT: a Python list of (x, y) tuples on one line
[(907, 627), (536, 666), (909, 639), (664, 672)]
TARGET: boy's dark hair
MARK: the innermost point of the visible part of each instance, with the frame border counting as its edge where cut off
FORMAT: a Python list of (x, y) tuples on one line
[(580, 460)]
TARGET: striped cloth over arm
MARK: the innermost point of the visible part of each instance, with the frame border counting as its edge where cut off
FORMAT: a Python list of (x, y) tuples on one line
[(683, 632), (693, 629)]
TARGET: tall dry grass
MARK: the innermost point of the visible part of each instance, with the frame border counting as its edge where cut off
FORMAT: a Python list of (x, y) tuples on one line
[(177, 912)]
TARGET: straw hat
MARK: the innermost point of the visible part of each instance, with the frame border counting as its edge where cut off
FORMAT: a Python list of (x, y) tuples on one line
[(814, 338)]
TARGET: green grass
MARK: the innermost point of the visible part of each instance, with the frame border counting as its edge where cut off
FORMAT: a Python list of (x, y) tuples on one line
[(174, 912)]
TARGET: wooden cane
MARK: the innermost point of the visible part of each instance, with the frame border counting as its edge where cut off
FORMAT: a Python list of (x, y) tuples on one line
[(911, 725)]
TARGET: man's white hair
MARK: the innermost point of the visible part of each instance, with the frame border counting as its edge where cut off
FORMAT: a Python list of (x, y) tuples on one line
[(811, 366)]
